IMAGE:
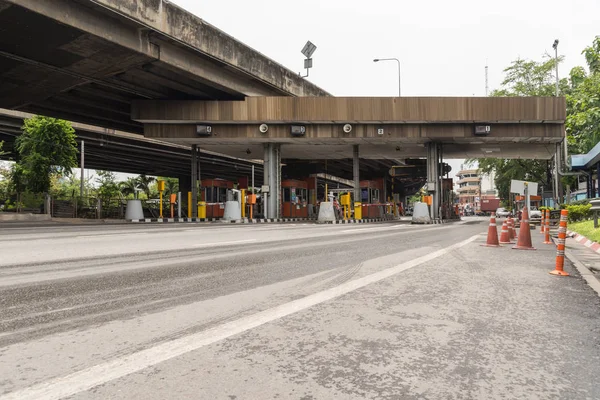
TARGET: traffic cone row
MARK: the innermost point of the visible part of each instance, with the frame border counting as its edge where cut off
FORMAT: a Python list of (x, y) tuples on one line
[(524, 237)]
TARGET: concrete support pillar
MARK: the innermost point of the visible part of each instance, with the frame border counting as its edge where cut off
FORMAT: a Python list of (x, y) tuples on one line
[(356, 172), (272, 177), (433, 177), (194, 182), (185, 185)]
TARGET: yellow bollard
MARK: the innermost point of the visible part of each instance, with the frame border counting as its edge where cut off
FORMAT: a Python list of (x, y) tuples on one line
[(357, 211), (201, 210), (243, 202), (189, 204)]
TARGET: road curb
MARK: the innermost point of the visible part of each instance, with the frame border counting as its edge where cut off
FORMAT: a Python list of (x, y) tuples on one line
[(594, 246), (585, 272)]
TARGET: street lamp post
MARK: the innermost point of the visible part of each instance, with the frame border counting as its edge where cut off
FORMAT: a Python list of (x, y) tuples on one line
[(555, 47), (398, 61)]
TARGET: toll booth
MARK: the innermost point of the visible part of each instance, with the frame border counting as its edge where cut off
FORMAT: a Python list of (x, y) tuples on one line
[(371, 193), (214, 194), (295, 199)]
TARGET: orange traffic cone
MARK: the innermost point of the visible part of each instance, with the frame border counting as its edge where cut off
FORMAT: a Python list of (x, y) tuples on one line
[(560, 248), (492, 237), (543, 223), (524, 241), (547, 236), (511, 229), (504, 235)]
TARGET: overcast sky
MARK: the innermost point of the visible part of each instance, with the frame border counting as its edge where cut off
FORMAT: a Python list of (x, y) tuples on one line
[(443, 46)]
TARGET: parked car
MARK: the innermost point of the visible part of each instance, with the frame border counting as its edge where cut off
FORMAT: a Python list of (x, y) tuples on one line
[(502, 213), (535, 214)]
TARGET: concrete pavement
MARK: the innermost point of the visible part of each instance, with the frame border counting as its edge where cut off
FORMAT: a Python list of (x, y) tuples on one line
[(302, 312)]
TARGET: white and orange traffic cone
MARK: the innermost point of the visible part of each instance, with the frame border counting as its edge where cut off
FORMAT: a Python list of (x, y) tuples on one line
[(492, 237), (560, 248), (504, 235), (547, 231), (543, 223), (524, 241), (511, 229)]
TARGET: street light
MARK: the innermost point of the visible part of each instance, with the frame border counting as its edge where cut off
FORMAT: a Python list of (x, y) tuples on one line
[(555, 47), (398, 61)]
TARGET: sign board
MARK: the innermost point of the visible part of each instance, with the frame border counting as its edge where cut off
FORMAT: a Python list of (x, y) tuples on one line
[(308, 49), (380, 131), (264, 188), (203, 130), (482, 130), (519, 187)]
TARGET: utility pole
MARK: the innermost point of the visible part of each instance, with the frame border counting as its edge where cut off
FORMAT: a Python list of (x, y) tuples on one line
[(486, 79)]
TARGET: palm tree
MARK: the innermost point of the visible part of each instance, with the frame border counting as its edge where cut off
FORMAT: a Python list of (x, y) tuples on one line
[(130, 186), (144, 183), (171, 186)]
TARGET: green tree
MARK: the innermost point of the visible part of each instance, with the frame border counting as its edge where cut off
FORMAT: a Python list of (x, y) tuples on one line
[(531, 78), (171, 186), (130, 187), (583, 103), (108, 188), (526, 78), (145, 183), (68, 186), (46, 147)]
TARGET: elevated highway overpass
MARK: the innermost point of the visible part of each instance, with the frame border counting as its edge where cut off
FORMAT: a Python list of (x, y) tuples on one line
[(87, 60)]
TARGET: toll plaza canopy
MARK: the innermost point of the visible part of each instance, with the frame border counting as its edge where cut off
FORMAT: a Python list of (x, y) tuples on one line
[(385, 128)]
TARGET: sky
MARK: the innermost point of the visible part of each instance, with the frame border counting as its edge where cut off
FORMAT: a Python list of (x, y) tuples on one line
[(443, 46)]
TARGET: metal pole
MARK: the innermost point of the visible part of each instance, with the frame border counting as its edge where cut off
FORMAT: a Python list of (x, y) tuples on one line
[(356, 172), (194, 205), (399, 80), (179, 205), (556, 65), (82, 170), (399, 75), (253, 179)]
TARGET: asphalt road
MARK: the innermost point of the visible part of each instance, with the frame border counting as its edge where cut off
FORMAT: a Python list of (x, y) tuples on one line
[(298, 311)]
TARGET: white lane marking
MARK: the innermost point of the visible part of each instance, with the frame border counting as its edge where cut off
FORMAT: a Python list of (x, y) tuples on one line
[(88, 378), (216, 244), (381, 228)]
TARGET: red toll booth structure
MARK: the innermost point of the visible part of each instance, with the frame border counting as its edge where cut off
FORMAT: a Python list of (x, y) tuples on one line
[(295, 199), (371, 197), (214, 193)]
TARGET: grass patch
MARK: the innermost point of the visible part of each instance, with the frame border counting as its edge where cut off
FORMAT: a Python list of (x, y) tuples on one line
[(585, 228)]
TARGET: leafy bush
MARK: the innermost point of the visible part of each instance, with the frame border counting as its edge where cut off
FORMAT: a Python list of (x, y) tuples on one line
[(579, 212)]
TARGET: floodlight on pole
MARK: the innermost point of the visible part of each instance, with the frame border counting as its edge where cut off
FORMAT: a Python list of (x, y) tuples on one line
[(399, 79), (308, 50)]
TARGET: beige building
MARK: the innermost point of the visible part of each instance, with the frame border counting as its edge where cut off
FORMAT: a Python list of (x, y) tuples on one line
[(471, 185), (468, 186)]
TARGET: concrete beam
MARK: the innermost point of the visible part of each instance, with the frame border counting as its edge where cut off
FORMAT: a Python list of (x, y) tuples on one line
[(342, 110), (361, 133)]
